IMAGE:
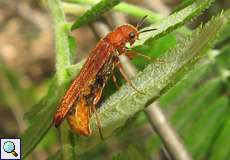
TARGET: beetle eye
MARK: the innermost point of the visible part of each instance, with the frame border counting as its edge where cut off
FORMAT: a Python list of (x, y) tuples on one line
[(131, 35)]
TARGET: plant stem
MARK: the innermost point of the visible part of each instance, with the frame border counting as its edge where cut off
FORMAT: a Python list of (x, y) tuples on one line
[(167, 133), (61, 31), (66, 145), (61, 39), (124, 8)]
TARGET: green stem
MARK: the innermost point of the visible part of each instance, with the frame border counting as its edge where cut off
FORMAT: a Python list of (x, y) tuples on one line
[(67, 147), (61, 39), (125, 8), (61, 30)]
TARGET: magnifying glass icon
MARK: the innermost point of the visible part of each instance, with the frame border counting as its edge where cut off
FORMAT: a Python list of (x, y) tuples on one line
[(9, 147)]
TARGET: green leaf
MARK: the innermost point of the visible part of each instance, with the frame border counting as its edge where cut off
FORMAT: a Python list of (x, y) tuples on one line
[(204, 128), (154, 49), (183, 4), (138, 12), (155, 80), (153, 144), (130, 153), (32, 136), (173, 21), (194, 104), (223, 59), (224, 35), (180, 94), (49, 140), (39, 127), (177, 93), (221, 147), (41, 120), (37, 108), (94, 12), (41, 114), (126, 8)]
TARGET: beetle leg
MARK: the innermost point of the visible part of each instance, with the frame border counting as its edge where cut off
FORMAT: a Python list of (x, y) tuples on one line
[(133, 54), (115, 81), (93, 110), (122, 49), (121, 69), (97, 121), (97, 97)]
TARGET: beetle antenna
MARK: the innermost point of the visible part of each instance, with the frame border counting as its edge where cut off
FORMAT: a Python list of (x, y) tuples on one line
[(141, 22), (147, 30)]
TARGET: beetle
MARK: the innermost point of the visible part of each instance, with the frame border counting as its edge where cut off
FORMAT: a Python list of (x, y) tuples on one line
[(80, 100)]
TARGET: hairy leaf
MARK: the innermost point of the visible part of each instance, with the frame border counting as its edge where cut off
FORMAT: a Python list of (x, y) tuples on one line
[(173, 21), (153, 81)]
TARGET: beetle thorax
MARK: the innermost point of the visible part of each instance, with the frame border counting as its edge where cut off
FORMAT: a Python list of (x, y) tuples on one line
[(122, 35)]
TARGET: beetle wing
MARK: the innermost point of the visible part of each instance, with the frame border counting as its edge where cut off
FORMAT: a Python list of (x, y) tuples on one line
[(61, 113), (86, 76)]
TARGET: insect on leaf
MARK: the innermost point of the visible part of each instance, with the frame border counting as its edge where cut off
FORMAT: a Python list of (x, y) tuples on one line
[(155, 80)]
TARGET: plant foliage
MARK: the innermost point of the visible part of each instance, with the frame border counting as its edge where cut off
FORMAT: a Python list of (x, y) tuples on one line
[(167, 82)]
